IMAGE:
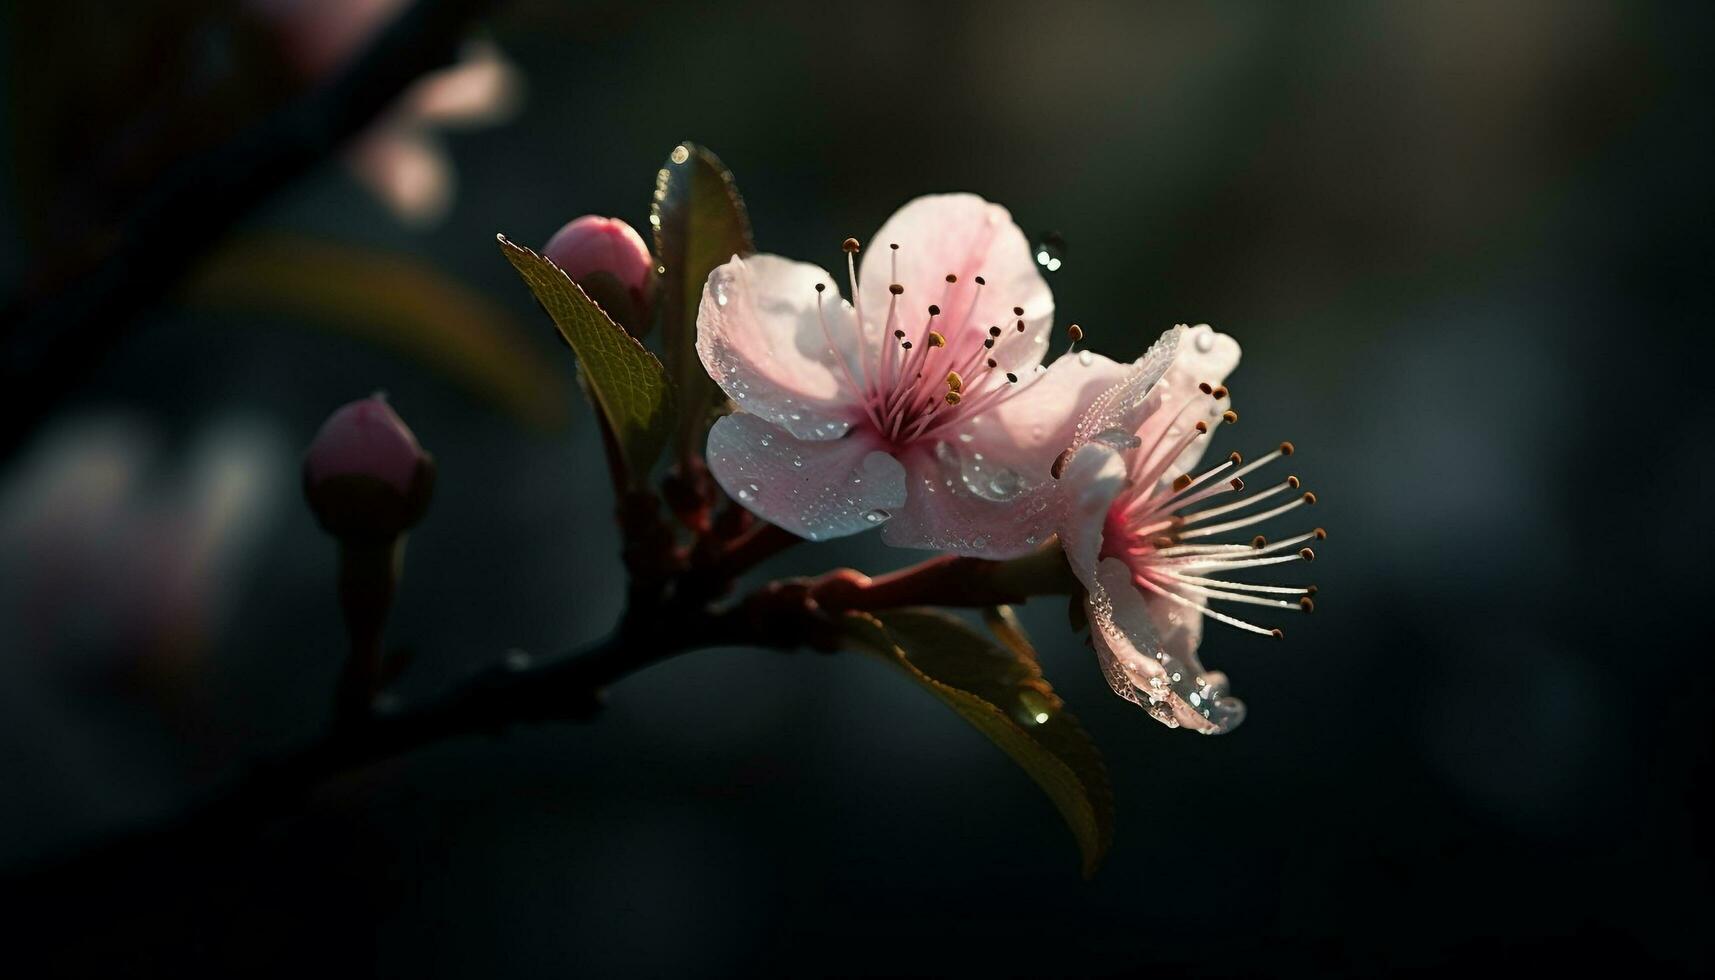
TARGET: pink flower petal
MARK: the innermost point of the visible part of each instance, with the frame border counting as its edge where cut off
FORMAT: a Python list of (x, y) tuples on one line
[(481, 88), (987, 492), (1088, 486), (1129, 404), (761, 339), (966, 236), (407, 170), (817, 489), (1028, 431), (949, 509), (1204, 357), (1172, 686)]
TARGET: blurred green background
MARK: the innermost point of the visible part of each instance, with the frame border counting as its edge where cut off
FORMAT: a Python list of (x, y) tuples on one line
[(1466, 248)]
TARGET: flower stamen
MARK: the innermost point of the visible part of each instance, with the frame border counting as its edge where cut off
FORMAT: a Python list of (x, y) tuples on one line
[(1148, 529)]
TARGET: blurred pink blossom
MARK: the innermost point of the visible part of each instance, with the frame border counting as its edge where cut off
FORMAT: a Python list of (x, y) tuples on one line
[(107, 549), (399, 157)]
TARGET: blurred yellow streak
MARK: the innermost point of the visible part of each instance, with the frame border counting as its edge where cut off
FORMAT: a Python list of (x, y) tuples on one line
[(393, 301)]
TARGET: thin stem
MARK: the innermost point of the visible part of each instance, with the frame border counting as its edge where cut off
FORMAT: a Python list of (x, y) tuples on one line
[(949, 581), (368, 578), (755, 546)]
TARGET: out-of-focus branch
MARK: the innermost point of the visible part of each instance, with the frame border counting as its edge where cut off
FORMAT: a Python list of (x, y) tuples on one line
[(67, 320)]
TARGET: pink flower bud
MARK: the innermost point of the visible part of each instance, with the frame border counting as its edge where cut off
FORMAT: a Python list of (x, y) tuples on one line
[(365, 474), (608, 258)]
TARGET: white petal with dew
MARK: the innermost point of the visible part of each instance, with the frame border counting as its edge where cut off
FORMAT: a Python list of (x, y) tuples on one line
[(817, 489)]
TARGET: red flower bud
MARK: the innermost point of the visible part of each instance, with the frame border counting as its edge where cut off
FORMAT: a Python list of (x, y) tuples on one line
[(365, 476), (608, 258)]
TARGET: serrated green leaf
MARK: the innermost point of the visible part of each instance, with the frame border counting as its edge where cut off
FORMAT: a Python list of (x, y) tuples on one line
[(699, 223), (625, 380), (1004, 696)]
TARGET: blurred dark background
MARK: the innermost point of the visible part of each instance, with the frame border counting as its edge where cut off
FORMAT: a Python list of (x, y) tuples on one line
[(1466, 248)]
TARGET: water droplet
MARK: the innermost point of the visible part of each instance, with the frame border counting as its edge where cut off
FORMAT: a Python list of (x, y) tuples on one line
[(1205, 341), (1005, 482), (1086, 358), (1050, 251), (1034, 707), (877, 516), (1118, 439)]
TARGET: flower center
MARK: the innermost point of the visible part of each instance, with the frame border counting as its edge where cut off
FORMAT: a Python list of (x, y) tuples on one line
[(1149, 529), (930, 372)]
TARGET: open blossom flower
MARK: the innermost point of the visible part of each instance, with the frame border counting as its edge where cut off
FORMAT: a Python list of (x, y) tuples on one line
[(921, 404), (1144, 532)]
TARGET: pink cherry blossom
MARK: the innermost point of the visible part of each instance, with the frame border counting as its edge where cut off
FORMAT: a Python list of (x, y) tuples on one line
[(1140, 530), (921, 404)]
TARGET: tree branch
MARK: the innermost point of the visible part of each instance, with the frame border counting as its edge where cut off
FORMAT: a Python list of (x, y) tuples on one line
[(949, 581), (519, 690)]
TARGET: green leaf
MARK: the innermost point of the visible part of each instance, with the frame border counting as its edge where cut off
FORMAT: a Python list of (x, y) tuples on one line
[(1004, 695), (624, 379), (700, 223), (390, 300)]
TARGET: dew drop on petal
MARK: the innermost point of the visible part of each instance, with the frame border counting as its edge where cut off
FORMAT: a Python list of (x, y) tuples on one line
[(1118, 439), (1004, 483), (1205, 341), (877, 516)]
